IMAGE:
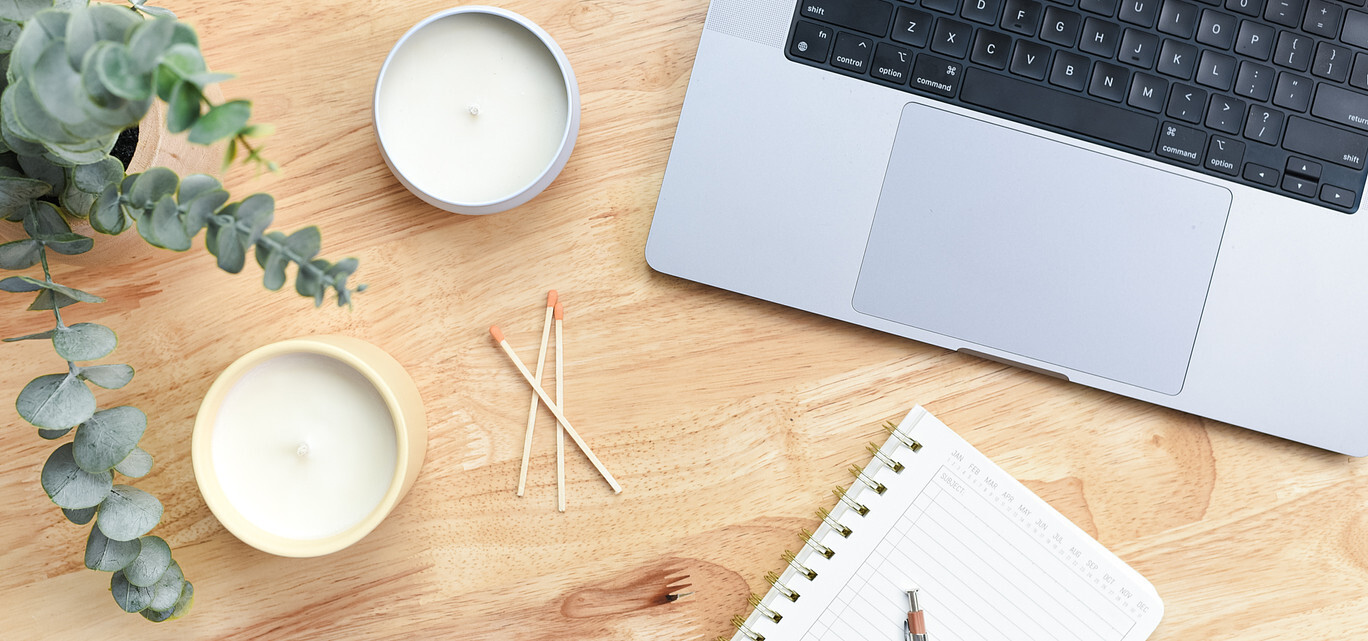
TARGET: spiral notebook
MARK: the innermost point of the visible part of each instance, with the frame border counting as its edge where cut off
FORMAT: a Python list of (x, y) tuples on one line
[(991, 560)]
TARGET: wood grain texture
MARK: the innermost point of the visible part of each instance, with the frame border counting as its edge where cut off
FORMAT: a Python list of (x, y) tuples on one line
[(726, 419)]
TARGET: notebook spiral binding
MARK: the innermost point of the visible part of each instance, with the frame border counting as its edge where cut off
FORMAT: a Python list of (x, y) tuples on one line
[(755, 600)]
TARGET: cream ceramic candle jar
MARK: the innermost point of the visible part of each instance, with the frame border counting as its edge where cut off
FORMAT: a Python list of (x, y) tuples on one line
[(476, 110), (302, 447)]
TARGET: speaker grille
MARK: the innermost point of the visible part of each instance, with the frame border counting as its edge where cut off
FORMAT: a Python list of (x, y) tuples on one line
[(762, 21)]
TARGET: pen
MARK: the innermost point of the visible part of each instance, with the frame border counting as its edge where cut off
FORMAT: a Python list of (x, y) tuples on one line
[(916, 620)]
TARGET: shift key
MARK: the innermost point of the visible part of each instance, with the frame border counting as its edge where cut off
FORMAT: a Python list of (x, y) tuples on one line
[(869, 16), (1324, 142)]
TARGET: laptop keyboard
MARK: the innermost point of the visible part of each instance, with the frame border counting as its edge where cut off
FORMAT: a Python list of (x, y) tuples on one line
[(1268, 93)]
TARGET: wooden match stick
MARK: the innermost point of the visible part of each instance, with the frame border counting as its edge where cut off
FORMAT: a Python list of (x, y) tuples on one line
[(532, 411), (555, 409), (560, 398)]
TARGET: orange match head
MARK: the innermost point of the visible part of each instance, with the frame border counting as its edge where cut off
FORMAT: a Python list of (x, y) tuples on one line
[(551, 298), (560, 311), (496, 333)]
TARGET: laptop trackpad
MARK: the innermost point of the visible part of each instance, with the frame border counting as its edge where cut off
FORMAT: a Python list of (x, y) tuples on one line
[(1042, 249)]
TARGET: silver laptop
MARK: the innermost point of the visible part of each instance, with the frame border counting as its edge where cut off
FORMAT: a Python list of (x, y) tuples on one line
[(1159, 199)]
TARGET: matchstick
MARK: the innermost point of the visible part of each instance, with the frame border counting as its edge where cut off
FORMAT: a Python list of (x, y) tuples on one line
[(560, 398), (555, 409), (532, 411)]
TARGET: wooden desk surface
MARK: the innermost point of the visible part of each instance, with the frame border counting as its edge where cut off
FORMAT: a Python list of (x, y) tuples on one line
[(726, 419)]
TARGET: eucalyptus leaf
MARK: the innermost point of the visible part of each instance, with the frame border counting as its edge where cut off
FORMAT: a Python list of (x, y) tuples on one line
[(254, 215), (31, 337), (232, 256), (33, 118), (305, 243), (117, 72), (108, 437), (112, 376), (71, 487), (84, 342), (15, 194), (69, 244), (56, 401), (21, 10), (148, 42), (153, 560), (113, 22), (153, 11), (79, 517), (95, 177), (222, 121), (273, 265), (43, 220), (167, 226), (183, 603), (183, 107), (48, 299), (128, 513), (206, 78), (52, 435), (136, 465), (129, 597), (151, 185), (309, 282), (196, 185), (202, 208), (74, 294), (183, 59), (40, 29), (20, 254), (80, 35), (107, 555), (167, 589), (9, 34), (61, 92), (106, 215)]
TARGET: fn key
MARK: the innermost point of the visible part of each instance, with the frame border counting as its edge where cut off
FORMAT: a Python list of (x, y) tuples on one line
[(811, 41)]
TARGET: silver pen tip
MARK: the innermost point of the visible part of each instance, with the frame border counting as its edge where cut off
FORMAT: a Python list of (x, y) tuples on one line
[(912, 598)]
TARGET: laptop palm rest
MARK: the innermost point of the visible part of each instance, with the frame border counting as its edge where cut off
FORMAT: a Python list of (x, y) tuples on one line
[(1072, 258)]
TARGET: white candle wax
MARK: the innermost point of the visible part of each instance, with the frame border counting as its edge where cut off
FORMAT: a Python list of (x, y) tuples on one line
[(472, 108), (304, 446)]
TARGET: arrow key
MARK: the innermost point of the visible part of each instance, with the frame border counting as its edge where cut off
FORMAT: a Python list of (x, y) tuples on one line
[(1266, 176), (1304, 168), (1337, 196), (1300, 186)]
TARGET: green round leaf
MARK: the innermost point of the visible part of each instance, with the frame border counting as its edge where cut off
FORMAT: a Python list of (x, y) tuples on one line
[(112, 376), (108, 437), (148, 42), (53, 435), (136, 465), (81, 516), (69, 244), (228, 249), (71, 487), (93, 178), (18, 285), (84, 342), (106, 216), (129, 597), (183, 109), (118, 73), (167, 589), (167, 226), (305, 243), (21, 10), (128, 513), (49, 299), (221, 122), (113, 22), (153, 560), (183, 603), (61, 93), (20, 254), (150, 186), (55, 401), (107, 555), (15, 193)]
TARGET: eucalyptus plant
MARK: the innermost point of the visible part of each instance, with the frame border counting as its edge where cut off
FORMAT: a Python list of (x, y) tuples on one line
[(77, 76)]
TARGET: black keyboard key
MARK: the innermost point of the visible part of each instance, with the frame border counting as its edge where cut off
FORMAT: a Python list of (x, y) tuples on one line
[(1304, 168), (1225, 114), (951, 38), (992, 49), (1355, 29), (1248, 7), (943, 6), (1148, 92), (891, 63), (1139, 12), (1109, 82), (1053, 108), (1337, 196), (869, 16), (1177, 59), (1216, 70), (912, 27), (1100, 37), (1300, 186), (1217, 29), (1178, 18), (1022, 16), (1323, 18), (1287, 13), (1264, 125), (1255, 81), (1292, 92), (1070, 71), (1061, 27), (1331, 62), (1180, 143), (1359, 76), (1294, 51), (1139, 48), (937, 75), (1324, 142), (1100, 7), (852, 52), (1341, 106), (1030, 59), (984, 11), (811, 41), (1187, 103), (1266, 176), (1255, 40), (1225, 155)]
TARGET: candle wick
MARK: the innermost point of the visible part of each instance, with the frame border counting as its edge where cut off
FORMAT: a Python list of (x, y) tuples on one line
[(474, 110), (303, 450)]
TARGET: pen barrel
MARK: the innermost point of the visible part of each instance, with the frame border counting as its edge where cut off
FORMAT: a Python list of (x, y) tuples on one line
[(919, 637), (916, 624)]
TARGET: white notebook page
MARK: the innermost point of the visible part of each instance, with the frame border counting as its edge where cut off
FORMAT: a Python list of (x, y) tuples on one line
[(991, 559)]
